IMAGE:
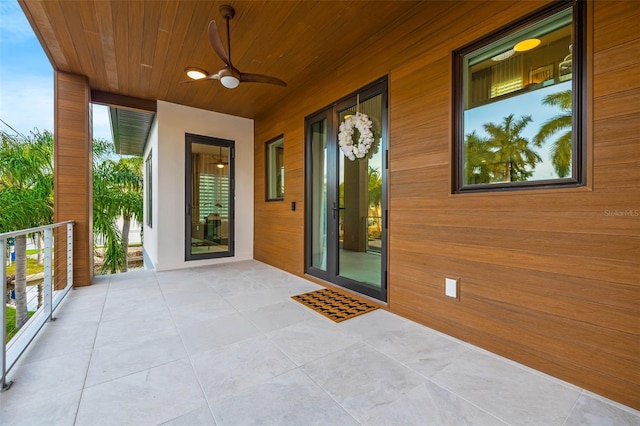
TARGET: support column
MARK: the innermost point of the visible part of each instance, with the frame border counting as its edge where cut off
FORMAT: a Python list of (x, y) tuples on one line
[(73, 176)]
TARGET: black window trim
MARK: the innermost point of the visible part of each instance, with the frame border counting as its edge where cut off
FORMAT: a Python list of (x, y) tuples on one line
[(266, 168), (191, 138), (579, 92)]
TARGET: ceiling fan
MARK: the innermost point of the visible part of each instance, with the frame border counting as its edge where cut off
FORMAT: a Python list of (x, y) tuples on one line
[(229, 76), (219, 163)]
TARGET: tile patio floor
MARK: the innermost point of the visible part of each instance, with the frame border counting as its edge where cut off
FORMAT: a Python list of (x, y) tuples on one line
[(226, 345)]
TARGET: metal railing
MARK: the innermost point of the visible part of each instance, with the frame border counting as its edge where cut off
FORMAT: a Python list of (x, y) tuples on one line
[(53, 290)]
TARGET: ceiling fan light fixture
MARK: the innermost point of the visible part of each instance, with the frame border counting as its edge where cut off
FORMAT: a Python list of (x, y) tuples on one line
[(229, 81), (195, 73), (220, 165)]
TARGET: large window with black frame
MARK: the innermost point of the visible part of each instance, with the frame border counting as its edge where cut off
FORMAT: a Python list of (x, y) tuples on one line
[(518, 96)]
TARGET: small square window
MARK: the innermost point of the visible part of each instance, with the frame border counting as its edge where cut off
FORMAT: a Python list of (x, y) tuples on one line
[(275, 169), (518, 96)]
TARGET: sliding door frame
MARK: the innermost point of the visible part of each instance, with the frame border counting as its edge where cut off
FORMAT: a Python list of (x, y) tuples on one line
[(331, 113)]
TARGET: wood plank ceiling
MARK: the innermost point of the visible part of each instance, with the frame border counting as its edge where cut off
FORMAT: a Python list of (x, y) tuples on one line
[(140, 48)]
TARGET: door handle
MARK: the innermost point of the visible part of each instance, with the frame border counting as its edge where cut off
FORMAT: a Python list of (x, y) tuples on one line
[(334, 209)]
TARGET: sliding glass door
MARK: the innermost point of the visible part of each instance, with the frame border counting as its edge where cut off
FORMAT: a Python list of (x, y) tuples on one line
[(346, 199), (209, 197)]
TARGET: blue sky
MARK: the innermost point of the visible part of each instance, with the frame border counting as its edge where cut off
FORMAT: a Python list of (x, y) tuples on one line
[(26, 78)]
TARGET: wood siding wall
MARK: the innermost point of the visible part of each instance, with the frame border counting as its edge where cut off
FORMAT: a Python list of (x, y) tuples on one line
[(73, 174), (549, 278)]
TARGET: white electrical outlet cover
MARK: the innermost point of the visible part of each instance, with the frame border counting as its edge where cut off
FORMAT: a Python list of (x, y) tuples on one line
[(451, 287)]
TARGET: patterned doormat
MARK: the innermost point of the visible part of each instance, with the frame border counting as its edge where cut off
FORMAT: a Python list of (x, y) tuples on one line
[(333, 305)]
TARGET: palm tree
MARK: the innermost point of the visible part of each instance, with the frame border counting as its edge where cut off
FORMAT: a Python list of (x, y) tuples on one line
[(129, 177), (512, 150), (117, 192), (26, 197), (559, 125), (478, 159)]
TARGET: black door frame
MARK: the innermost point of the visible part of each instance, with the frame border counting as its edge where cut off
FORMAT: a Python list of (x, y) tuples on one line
[(330, 113), (230, 145)]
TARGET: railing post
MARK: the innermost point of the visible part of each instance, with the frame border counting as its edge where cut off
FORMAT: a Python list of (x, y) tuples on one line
[(48, 276), (69, 254), (3, 312)]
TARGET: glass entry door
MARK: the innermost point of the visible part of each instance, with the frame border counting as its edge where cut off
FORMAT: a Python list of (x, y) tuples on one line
[(209, 197), (346, 200)]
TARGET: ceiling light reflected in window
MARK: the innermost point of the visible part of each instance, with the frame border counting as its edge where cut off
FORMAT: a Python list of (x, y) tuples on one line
[(501, 57), (527, 44)]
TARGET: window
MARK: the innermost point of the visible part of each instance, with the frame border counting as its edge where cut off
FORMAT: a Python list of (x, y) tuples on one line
[(275, 169), (519, 104), (148, 180), (209, 197)]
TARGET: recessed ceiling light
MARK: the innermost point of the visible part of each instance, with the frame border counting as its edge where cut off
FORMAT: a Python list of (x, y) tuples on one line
[(195, 73), (527, 44), (504, 55)]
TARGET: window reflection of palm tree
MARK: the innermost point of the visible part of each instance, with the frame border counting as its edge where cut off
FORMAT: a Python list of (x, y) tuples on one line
[(478, 159), (559, 125), (511, 149)]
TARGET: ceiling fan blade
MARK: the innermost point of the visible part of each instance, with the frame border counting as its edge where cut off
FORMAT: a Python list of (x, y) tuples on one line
[(259, 78), (216, 43)]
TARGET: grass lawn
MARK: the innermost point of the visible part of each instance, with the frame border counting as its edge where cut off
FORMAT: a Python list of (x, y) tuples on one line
[(32, 267), (10, 324)]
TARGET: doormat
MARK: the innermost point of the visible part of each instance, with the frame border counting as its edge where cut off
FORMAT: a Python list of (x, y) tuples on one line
[(333, 305)]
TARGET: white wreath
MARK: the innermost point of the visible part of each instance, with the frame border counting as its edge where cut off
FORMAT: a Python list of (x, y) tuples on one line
[(351, 150)]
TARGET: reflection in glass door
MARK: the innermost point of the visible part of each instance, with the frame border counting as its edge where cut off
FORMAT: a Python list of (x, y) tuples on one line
[(318, 202), (360, 205), (346, 200), (209, 197)]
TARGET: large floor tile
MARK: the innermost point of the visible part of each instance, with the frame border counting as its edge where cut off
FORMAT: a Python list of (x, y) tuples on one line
[(238, 285), (118, 308), (129, 356), (87, 308), (196, 285), (229, 370), (133, 285), (257, 299), (54, 409), (199, 417), (150, 397), (289, 399), (190, 297), (279, 315), (213, 306), (374, 322), (134, 325), (61, 374), (60, 338), (418, 348), (360, 378), (310, 340), (429, 404), (592, 411), (511, 393), (216, 333)]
